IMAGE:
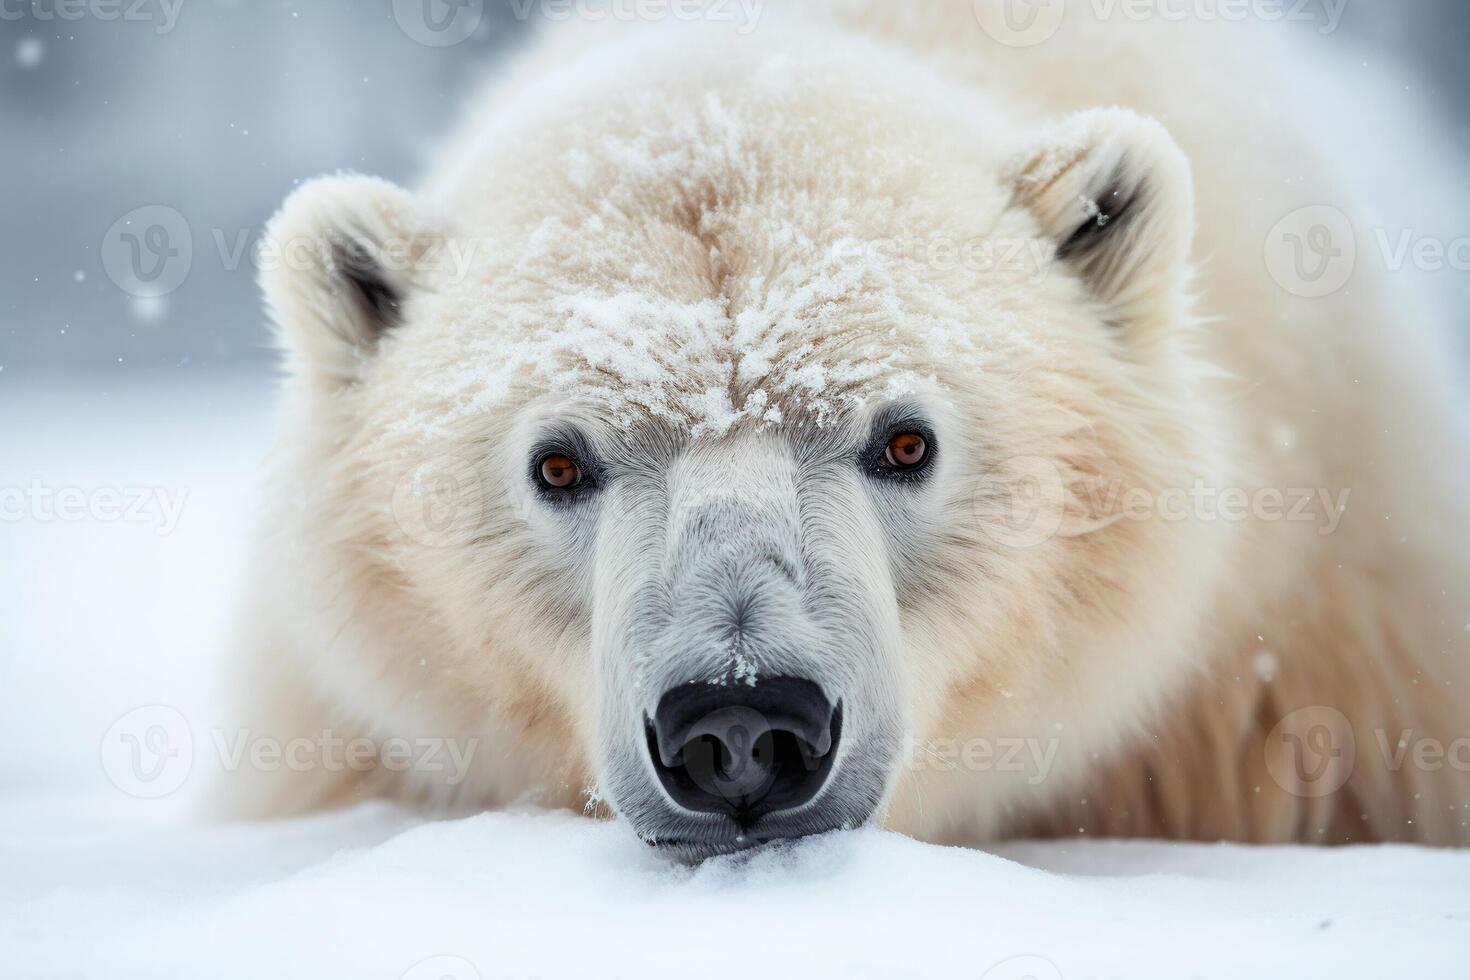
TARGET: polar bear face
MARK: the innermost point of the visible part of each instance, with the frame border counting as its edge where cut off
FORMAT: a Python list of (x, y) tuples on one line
[(711, 484)]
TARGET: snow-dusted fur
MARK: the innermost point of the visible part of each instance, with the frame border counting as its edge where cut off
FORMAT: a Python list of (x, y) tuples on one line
[(720, 259)]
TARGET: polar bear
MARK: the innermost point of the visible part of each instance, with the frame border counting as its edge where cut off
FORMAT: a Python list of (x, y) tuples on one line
[(867, 417)]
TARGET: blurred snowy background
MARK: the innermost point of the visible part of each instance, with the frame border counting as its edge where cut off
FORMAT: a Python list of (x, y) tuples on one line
[(215, 108), (124, 385), (212, 108)]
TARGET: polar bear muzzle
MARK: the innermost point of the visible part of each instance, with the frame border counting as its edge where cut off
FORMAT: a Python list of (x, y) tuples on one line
[(744, 750), (745, 628)]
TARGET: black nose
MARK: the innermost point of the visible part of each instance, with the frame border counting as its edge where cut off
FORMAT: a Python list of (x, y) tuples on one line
[(744, 750)]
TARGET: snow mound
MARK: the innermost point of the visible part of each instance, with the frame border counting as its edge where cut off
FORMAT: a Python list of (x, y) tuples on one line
[(380, 892)]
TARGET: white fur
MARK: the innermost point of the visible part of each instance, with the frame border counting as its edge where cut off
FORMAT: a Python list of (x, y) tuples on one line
[(700, 249)]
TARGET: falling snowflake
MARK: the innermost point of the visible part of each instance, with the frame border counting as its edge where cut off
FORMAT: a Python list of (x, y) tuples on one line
[(148, 309), (30, 52)]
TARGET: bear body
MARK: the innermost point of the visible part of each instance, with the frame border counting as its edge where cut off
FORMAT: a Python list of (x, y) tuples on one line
[(1185, 559)]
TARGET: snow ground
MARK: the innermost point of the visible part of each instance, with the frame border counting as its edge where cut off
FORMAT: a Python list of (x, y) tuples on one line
[(103, 615)]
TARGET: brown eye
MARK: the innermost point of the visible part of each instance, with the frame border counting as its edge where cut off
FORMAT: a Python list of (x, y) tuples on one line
[(559, 472), (905, 451)]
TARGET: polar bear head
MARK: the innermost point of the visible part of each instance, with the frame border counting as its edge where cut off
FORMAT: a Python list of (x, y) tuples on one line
[(705, 445)]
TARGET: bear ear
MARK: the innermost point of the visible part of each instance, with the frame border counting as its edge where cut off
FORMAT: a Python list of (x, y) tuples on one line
[(338, 262), (1112, 191)]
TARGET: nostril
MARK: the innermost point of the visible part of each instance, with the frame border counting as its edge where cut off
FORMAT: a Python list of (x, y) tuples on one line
[(744, 750)]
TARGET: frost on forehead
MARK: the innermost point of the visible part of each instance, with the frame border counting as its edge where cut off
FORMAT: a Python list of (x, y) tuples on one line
[(697, 274), (811, 343)]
